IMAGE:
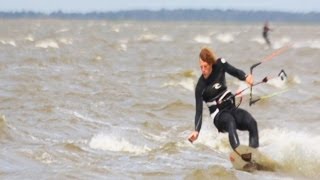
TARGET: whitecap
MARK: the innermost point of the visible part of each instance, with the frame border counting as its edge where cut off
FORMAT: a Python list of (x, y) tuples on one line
[(280, 81), (147, 37), (123, 47), (65, 41), (29, 38), (202, 39), (48, 43), (166, 38), (115, 29), (292, 149), (9, 42), (314, 44), (258, 40), (225, 37), (119, 144), (62, 30), (281, 42), (45, 158)]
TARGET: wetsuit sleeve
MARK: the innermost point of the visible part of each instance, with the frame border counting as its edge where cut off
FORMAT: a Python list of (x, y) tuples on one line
[(233, 71), (199, 107)]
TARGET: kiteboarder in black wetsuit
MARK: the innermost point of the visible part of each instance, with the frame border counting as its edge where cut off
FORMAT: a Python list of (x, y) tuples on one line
[(211, 88)]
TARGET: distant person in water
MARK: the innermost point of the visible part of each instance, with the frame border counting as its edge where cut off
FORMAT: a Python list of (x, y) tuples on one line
[(265, 33)]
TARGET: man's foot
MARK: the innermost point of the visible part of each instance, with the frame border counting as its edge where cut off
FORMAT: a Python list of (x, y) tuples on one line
[(246, 157)]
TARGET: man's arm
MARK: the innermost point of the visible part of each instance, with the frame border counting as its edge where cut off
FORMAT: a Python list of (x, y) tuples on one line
[(198, 115), (199, 108), (238, 73)]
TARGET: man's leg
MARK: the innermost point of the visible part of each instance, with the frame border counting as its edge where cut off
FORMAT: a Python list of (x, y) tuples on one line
[(245, 121), (227, 122)]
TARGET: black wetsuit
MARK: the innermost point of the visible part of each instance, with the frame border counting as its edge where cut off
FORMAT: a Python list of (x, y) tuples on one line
[(226, 116)]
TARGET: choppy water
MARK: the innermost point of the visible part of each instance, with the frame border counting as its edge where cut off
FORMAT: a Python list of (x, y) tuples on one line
[(115, 100)]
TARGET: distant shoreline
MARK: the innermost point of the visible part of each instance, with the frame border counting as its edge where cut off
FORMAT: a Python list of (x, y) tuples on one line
[(174, 15)]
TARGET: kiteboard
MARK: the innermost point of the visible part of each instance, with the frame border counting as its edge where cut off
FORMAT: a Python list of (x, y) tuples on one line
[(258, 161)]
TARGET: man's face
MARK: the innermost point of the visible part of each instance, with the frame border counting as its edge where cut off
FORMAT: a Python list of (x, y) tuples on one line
[(206, 68)]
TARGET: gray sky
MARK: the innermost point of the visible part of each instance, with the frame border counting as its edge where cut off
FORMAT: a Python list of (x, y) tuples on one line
[(48, 6)]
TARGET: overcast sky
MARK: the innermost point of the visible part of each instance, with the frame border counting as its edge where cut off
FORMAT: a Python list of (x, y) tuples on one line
[(48, 6)]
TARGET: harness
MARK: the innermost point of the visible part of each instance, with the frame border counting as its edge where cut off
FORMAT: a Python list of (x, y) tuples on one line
[(225, 100)]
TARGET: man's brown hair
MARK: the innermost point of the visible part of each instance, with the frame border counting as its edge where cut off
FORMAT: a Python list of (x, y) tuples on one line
[(207, 55)]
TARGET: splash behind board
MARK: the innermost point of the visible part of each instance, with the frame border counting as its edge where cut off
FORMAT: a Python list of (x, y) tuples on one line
[(259, 161)]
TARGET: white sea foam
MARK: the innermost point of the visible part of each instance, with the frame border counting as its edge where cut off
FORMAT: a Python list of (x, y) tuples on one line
[(281, 42), (66, 41), (114, 143), (258, 40), (115, 29), (48, 43), (225, 37), (187, 84), (166, 38), (45, 158), (123, 45), (295, 150), (202, 39), (62, 30), (8, 42), (2, 120), (147, 37), (296, 79), (279, 82), (29, 38), (314, 44)]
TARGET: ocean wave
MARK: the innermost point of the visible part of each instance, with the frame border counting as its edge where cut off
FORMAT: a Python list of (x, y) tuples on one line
[(66, 41), (225, 38), (202, 39), (29, 38), (108, 142), (258, 40), (280, 81), (73, 147), (2, 121), (211, 172), (122, 45), (8, 42), (82, 117), (185, 79), (167, 148), (115, 29), (166, 38), (176, 106), (313, 44), (149, 37), (4, 129), (48, 43), (45, 157), (294, 151), (63, 30), (280, 42), (185, 83)]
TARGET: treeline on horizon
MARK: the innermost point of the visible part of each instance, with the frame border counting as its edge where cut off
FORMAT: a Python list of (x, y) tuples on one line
[(174, 15)]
